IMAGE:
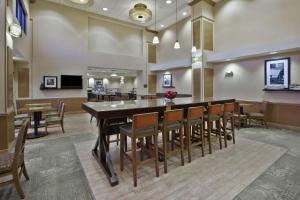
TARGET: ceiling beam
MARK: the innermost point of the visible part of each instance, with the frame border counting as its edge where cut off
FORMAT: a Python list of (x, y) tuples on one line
[(207, 1)]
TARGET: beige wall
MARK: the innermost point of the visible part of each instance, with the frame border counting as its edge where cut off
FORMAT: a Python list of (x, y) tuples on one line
[(129, 83), (181, 78), (167, 56), (247, 82), (243, 24), (63, 40)]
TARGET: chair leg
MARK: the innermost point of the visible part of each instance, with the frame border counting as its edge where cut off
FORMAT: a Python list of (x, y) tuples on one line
[(142, 148), (165, 150), (46, 129), (156, 156), (232, 126), (118, 138), (133, 149), (219, 132), (225, 131), (122, 152), (239, 123), (266, 125), (181, 146), (25, 172), (208, 136), (91, 119), (202, 139), (19, 189), (188, 138), (62, 127)]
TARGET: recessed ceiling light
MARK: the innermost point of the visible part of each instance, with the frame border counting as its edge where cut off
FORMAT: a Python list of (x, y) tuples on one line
[(274, 52), (113, 75), (80, 1), (162, 25), (229, 59), (184, 13), (105, 9), (168, 2)]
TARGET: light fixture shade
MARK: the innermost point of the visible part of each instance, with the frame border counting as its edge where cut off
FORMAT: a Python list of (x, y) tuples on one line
[(80, 1), (140, 13), (155, 40), (176, 45), (194, 49), (15, 30)]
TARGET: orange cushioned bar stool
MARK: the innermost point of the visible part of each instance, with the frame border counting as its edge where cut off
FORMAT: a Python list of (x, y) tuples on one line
[(144, 126), (214, 115), (228, 116), (172, 123), (194, 129)]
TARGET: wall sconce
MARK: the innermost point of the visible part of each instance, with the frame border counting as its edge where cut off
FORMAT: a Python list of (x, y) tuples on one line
[(229, 74), (15, 30)]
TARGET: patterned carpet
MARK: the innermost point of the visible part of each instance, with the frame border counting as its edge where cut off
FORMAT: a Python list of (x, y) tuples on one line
[(282, 180), (54, 170), (56, 173)]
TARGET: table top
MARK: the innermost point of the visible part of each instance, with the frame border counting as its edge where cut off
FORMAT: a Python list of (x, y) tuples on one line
[(37, 109), (37, 104), (126, 108)]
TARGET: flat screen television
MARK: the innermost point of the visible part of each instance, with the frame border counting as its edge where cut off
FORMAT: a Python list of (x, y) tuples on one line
[(71, 82)]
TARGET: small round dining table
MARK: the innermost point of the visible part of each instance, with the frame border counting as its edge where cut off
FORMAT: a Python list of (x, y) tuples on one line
[(37, 110)]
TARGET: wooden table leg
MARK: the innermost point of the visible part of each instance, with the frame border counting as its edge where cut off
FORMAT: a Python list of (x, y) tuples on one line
[(37, 125), (102, 155)]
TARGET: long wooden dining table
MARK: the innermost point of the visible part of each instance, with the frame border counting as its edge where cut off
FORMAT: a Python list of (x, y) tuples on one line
[(104, 111)]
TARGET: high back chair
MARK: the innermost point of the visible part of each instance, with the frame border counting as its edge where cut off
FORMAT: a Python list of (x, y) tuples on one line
[(12, 164), (57, 112), (214, 116), (259, 116), (228, 115), (172, 123), (144, 126), (56, 120), (194, 129)]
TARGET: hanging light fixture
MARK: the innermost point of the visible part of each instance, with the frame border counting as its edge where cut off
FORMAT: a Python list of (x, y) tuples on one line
[(155, 38), (176, 45), (194, 49), (140, 13)]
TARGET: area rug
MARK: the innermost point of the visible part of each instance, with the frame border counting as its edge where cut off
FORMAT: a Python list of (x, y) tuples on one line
[(221, 175)]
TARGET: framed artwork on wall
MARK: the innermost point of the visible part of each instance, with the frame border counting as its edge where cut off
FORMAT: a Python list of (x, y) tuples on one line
[(167, 80), (277, 73), (50, 82)]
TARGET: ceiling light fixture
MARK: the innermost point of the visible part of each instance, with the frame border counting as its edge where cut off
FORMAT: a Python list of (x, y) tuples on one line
[(184, 13), (162, 26), (113, 75), (168, 2), (80, 1), (176, 45), (140, 13), (194, 49), (15, 30), (105, 9), (274, 52), (155, 38)]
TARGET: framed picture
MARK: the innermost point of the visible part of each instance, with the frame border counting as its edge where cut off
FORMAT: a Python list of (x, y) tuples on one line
[(277, 73), (167, 80), (50, 82)]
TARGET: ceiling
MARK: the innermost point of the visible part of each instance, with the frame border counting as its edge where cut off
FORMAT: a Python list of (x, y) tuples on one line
[(119, 9)]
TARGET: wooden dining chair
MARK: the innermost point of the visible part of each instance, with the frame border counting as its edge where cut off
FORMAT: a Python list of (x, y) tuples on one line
[(228, 116), (239, 117), (144, 126), (56, 120), (259, 116), (173, 122), (12, 165), (194, 129), (55, 113), (214, 115)]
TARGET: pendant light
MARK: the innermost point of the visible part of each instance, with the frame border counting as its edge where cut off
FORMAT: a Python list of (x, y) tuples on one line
[(155, 38), (194, 49), (176, 45)]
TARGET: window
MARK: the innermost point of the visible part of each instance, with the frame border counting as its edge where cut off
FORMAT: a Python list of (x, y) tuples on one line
[(21, 15)]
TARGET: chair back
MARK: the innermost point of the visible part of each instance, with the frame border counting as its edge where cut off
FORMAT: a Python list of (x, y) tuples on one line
[(173, 116), (20, 143), (229, 108), (195, 112), (60, 102), (215, 109), (62, 112), (145, 123)]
